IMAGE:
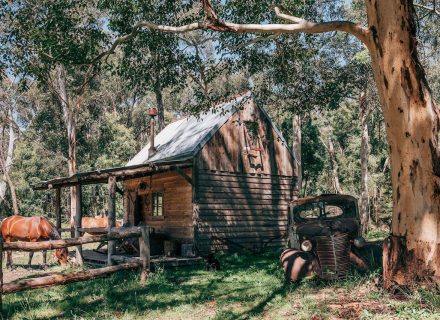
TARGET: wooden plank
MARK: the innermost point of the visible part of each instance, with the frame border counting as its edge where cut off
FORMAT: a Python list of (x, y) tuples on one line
[(241, 235), (238, 202), (211, 173), (57, 244), (234, 177), (61, 279), (229, 206), (243, 185), (242, 224), (111, 246), (250, 196), (238, 213), (237, 191), (245, 229)]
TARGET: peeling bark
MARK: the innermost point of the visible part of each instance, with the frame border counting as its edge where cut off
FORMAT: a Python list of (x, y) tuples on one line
[(365, 199), (336, 186), (296, 146), (160, 106), (412, 123), (69, 120), (6, 164)]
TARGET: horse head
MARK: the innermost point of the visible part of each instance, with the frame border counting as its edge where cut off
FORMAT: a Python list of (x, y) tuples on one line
[(62, 256)]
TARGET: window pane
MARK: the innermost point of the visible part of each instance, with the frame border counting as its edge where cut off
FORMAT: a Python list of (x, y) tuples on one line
[(157, 203), (309, 211), (333, 211)]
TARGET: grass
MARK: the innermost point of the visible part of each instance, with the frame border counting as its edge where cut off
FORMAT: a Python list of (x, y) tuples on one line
[(247, 287)]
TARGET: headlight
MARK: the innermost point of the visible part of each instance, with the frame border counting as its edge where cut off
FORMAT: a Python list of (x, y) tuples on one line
[(306, 245), (359, 242)]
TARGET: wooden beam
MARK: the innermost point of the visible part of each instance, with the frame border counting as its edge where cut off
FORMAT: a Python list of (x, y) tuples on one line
[(184, 175), (78, 222), (111, 246), (59, 279), (57, 244), (101, 176)]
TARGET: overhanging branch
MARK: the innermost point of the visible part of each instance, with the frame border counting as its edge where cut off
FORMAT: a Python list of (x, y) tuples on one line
[(431, 10), (211, 22)]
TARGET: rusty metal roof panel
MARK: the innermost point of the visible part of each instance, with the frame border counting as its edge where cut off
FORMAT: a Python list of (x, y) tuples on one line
[(181, 140)]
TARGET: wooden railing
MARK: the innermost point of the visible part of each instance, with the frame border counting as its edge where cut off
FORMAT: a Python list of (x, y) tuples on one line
[(57, 279)]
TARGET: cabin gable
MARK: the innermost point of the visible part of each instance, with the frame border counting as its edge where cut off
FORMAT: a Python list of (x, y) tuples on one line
[(245, 182), (247, 143)]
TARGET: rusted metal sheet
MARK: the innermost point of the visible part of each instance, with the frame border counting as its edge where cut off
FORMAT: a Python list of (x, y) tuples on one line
[(333, 254)]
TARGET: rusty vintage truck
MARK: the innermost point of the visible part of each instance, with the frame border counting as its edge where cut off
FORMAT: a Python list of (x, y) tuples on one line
[(324, 238)]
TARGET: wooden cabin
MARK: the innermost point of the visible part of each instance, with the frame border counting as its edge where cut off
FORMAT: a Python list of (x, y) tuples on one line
[(221, 181)]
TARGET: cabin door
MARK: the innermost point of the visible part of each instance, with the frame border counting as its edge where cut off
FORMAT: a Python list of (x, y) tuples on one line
[(138, 210)]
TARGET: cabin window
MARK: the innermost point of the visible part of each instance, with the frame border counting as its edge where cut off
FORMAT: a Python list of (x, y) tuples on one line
[(157, 204)]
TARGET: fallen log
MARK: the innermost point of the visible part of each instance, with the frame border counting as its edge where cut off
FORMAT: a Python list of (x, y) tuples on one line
[(57, 244), (60, 279)]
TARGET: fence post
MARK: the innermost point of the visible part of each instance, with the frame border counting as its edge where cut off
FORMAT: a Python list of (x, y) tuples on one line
[(78, 222), (111, 217), (1, 276), (144, 252), (58, 209)]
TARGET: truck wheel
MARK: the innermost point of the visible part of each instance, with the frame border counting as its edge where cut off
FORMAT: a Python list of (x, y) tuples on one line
[(298, 264)]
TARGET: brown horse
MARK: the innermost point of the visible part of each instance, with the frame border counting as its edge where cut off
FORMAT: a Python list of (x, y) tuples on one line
[(95, 222), (31, 229)]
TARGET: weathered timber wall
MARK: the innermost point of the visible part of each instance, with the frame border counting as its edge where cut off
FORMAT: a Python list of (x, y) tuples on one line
[(176, 222), (242, 191)]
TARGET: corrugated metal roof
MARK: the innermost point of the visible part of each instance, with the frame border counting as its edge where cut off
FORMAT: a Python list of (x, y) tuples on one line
[(181, 140)]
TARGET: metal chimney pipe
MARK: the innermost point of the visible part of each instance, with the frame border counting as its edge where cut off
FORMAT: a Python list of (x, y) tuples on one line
[(152, 150)]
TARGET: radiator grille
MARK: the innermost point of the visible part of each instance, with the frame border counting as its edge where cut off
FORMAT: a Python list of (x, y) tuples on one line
[(334, 255)]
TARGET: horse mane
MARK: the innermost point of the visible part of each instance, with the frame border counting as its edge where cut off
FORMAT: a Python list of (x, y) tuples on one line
[(54, 234)]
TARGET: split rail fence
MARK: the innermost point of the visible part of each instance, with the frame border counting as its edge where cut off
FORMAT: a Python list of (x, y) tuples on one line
[(50, 280)]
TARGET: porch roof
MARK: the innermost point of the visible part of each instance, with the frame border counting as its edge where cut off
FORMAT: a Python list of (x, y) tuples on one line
[(101, 176)]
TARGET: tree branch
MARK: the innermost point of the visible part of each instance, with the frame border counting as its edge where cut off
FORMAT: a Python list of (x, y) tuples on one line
[(431, 10), (254, 41), (211, 22)]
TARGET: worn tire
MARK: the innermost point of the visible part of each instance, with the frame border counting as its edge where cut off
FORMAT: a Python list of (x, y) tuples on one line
[(297, 264)]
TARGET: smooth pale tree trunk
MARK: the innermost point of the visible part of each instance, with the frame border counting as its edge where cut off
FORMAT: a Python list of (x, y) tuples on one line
[(365, 199), (159, 105), (336, 186), (296, 146), (69, 120), (3, 183), (412, 252), (7, 164)]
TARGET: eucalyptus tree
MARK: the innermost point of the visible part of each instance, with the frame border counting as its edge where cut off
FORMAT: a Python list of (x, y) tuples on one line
[(55, 42), (410, 114), (151, 61)]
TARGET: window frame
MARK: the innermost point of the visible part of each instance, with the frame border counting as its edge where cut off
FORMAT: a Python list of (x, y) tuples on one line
[(156, 205)]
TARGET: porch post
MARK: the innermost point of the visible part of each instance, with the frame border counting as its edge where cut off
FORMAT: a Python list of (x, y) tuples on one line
[(111, 217), (78, 223), (58, 209), (144, 252)]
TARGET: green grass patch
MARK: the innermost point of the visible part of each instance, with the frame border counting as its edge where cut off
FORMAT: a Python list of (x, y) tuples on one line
[(246, 287)]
